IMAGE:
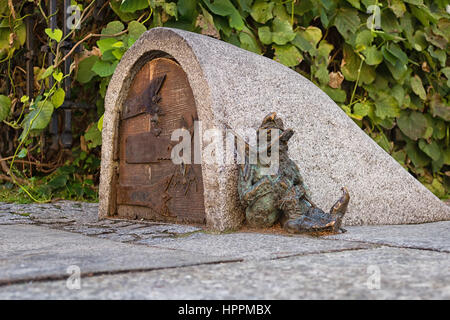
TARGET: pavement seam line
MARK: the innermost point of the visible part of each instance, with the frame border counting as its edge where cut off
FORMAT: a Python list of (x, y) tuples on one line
[(390, 245), (323, 252), (5, 283)]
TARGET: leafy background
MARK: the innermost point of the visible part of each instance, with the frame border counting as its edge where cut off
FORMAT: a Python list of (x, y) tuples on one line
[(392, 78)]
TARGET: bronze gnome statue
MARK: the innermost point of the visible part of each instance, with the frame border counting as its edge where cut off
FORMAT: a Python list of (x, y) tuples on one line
[(283, 197)]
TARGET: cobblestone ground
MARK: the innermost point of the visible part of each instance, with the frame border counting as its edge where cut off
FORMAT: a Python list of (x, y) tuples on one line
[(82, 217), (121, 259)]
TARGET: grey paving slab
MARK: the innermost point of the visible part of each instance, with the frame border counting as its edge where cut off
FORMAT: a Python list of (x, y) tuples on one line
[(32, 252), (432, 236), (50, 213), (381, 273), (81, 217), (251, 245)]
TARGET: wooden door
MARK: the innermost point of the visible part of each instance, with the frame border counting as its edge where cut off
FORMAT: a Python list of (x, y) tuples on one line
[(150, 185)]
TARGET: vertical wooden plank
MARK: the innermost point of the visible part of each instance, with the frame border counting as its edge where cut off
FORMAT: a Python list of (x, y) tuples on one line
[(158, 190)]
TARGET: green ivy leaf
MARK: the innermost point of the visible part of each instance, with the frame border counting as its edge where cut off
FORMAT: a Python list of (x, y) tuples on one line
[(361, 109), (221, 7), (57, 75), (439, 108), (118, 53), (38, 118), (133, 5), (413, 124), (22, 153), (337, 95), (187, 9), (265, 35), (171, 9), (124, 16), (386, 106), (93, 136), (355, 3), (373, 56), (398, 7), (423, 14), (21, 33), (397, 60), (383, 141), (311, 34), (430, 149), (363, 40), (58, 97), (300, 42), (282, 32), (446, 72), (113, 27), (106, 44), (415, 2), (322, 74), (262, 11), (226, 9), (58, 182), (446, 156), (347, 22), (418, 158), (324, 50), (46, 73), (100, 123), (436, 39), (55, 34), (399, 156), (104, 68), (439, 55), (288, 55), (439, 129), (85, 73), (399, 94), (444, 27), (350, 65), (5, 107), (419, 40), (136, 29), (436, 187), (389, 23), (417, 87), (397, 52), (248, 41)]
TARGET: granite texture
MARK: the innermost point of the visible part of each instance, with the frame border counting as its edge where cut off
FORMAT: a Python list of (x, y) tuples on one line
[(427, 236), (237, 87), (82, 218), (33, 253), (403, 274), (147, 260), (256, 246)]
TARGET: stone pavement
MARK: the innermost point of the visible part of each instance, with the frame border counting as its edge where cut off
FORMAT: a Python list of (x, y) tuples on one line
[(140, 260)]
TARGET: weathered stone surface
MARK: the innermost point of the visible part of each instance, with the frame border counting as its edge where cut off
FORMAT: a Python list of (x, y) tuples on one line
[(239, 88), (404, 274), (254, 246), (183, 262), (431, 236), (82, 217), (32, 252), (51, 213)]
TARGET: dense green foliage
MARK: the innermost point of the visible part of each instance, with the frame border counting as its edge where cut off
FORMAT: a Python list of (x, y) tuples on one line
[(384, 62)]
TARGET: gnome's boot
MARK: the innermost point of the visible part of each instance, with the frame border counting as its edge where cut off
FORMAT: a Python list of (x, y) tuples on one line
[(299, 215), (338, 210)]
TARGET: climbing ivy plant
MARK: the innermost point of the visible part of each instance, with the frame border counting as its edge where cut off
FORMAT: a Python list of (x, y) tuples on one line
[(385, 63)]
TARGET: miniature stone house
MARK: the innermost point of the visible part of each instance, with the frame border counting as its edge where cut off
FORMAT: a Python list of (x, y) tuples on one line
[(171, 78)]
